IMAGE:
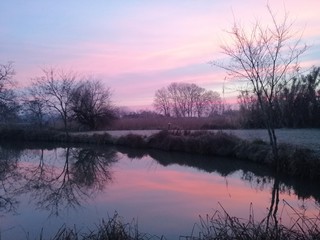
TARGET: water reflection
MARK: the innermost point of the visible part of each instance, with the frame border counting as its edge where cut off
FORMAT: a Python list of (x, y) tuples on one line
[(55, 180), (259, 176), (60, 178), (8, 177)]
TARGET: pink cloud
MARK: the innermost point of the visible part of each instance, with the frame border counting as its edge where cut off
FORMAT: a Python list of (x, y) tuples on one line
[(150, 45)]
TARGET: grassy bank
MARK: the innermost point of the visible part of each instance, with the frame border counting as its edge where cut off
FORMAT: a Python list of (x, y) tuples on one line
[(295, 161)]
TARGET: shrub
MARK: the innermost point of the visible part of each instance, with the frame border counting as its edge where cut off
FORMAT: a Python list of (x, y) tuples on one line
[(132, 140), (104, 138), (221, 144), (156, 140), (254, 151), (299, 162)]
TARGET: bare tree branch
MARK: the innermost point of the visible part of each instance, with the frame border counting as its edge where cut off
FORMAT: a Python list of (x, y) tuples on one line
[(265, 56)]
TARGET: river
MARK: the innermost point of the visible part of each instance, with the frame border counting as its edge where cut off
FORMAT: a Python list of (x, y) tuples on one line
[(45, 187)]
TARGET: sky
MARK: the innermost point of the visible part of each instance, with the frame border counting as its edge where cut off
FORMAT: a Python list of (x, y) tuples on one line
[(139, 46)]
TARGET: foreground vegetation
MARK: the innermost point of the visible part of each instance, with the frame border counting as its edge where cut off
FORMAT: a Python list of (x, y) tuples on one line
[(113, 228), (294, 161), (219, 225)]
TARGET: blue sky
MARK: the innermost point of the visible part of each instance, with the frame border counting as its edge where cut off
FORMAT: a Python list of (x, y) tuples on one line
[(137, 47)]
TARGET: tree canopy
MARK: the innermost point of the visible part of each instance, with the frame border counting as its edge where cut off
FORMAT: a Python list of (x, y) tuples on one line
[(186, 100)]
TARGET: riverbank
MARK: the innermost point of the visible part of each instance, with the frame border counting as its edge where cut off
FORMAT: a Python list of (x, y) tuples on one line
[(295, 161), (307, 138)]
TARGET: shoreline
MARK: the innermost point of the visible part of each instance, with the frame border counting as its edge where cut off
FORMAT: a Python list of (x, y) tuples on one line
[(308, 138), (295, 161)]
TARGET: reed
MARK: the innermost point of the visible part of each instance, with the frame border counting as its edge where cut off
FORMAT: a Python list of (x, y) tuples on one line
[(221, 225), (113, 228), (217, 226)]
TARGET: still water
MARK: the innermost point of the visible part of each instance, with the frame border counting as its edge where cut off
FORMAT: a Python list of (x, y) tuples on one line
[(43, 188)]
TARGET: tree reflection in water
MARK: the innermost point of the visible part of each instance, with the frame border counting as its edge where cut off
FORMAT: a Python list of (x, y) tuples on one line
[(9, 176), (81, 174), (66, 177), (260, 178), (274, 204), (92, 168)]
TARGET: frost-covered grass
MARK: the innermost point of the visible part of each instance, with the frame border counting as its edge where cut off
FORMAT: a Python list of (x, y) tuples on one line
[(298, 161), (307, 138)]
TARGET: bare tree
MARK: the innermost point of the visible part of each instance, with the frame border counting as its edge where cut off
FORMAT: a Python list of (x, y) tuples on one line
[(265, 56), (162, 101), (213, 102), (36, 111), (191, 93), (6, 74), (35, 106), (186, 100), (183, 97), (176, 103), (55, 88), (91, 104), (201, 102), (8, 104)]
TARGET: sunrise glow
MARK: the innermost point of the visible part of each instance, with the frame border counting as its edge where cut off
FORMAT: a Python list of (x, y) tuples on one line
[(137, 47)]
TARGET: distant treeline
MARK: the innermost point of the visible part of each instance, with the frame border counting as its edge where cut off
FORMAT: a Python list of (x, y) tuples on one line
[(297, 104), (61, 100)]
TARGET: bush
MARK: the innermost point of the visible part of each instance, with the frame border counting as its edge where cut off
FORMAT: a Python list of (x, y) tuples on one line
[(132, 140), (299, 162), (254, 151), (221, 144)]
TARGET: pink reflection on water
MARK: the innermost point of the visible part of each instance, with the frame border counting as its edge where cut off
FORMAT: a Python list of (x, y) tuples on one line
[(173, 197), (163, 199)]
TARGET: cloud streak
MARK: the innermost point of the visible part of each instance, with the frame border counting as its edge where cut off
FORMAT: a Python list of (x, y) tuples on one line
[(136, 47)]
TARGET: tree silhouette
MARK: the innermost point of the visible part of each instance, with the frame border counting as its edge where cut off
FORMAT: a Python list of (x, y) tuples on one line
[(55, 89), (91, 104), (8, 104), (267, 58)]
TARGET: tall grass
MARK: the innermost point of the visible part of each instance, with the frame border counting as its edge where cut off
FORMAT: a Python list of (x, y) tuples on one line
[(221, 225), (114, 228)]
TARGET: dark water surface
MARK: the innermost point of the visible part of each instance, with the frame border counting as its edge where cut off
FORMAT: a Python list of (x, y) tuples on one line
[(43, 188)]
